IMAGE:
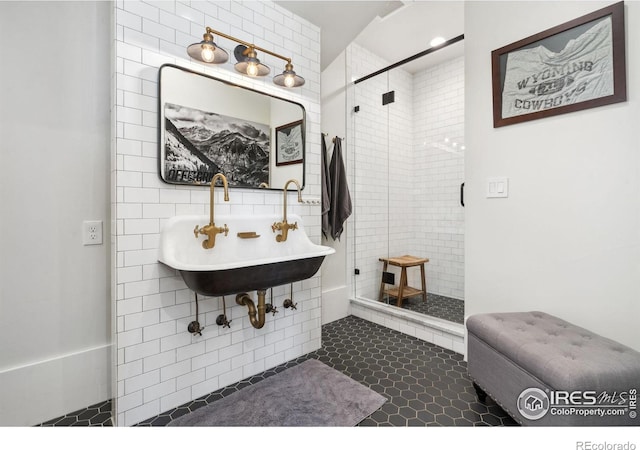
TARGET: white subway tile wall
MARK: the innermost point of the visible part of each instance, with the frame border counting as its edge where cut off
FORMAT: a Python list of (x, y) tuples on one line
[(438, 164), (160, 365), (406, 164)]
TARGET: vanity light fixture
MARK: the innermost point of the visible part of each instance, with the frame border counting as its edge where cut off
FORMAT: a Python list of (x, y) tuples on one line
[(208, 52)]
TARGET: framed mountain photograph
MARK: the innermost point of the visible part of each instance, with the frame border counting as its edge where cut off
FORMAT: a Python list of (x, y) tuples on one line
[(198, 144)]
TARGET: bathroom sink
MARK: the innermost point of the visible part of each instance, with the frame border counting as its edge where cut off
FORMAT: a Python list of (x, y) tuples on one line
[(238, 264)]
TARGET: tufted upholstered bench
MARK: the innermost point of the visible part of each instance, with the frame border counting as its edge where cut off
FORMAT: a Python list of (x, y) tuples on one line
[(520, 358)]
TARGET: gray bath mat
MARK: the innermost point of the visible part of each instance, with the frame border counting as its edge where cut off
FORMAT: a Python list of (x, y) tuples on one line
[(310, 394)]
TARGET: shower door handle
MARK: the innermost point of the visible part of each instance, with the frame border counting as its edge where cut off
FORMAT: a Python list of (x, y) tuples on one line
[(462, 194)]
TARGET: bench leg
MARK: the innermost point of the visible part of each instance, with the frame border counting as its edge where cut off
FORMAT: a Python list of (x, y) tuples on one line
[(424, 283), (381, 296), (482, 395), (401, 286)]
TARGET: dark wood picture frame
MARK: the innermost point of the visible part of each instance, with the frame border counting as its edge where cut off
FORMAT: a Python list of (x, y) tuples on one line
[(555, 40), (289, 143)]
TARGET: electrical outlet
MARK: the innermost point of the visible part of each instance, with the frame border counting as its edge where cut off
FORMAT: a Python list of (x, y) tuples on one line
[(92, 232)]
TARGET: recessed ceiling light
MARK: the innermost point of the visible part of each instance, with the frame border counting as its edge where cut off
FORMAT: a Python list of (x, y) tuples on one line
[(437, 41)]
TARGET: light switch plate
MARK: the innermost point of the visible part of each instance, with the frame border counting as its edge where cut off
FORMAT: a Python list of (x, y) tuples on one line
[(497, 187)]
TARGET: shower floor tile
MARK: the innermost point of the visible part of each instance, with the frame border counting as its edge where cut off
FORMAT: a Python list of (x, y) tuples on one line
[(439, 306), (424, 384)]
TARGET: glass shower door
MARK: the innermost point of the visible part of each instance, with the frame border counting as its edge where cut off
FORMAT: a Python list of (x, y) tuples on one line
[(407, 165), (371, 168)]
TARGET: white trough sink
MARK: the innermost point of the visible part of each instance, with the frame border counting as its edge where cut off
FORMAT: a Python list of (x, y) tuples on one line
[(236, 264)]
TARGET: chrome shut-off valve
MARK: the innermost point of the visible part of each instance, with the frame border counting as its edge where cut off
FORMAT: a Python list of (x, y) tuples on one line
[(288, 303), (271, 309), (195, 328), (222, 321)]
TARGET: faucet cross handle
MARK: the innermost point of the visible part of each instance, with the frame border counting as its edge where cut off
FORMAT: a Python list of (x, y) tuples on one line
[(224, 230), (270, 308), (198, 230)]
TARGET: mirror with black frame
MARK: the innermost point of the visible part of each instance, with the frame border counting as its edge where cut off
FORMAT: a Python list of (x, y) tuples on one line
[(207, 125)]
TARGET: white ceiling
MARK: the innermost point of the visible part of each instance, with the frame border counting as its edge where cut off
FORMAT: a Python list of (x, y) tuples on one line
[(394, 30)]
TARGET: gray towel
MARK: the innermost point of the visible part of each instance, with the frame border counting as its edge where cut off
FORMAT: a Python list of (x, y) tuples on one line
[(326, 190), (340, 198)]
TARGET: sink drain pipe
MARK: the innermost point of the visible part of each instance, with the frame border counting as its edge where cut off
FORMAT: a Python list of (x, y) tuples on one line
[(256, 314)]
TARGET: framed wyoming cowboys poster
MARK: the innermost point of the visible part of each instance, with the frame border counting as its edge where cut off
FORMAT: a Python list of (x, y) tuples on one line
[(577, 65)]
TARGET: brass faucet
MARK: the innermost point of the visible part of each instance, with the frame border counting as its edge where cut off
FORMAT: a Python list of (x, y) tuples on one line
[(284, 226), (211, 230)]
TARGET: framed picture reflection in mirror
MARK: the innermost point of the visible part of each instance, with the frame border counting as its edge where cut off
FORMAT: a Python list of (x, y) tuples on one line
[(289, 143)]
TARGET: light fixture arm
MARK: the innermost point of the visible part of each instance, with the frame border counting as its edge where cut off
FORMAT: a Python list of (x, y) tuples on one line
[(247, 44)]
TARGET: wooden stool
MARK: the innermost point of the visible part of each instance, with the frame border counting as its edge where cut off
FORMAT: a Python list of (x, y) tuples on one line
[(403, 291)]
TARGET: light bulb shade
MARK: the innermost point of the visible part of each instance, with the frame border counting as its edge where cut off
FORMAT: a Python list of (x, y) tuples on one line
[(207, 51), (252, 66), (288, 78)]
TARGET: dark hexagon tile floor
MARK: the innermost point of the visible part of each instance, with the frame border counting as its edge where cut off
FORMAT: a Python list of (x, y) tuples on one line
[(98, 415), (425, 385), (439, 306), (445, 308)]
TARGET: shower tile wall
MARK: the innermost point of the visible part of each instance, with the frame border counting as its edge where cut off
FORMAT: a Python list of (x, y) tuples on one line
[(406, 178), (159, 364), (439, 170), (401, 210)]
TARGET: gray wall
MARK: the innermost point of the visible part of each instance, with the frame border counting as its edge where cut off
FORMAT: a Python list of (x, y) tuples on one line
[(566, 239), (54, 144)]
